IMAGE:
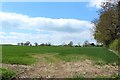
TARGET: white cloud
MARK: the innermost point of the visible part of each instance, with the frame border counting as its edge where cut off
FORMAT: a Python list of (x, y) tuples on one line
[(2, 33), (97, 3), (40, 23), (18, 34), (40, 29), (54, 38)]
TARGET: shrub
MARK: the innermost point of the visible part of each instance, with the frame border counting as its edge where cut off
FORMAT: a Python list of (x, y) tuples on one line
[(115, 45), (119, 45)]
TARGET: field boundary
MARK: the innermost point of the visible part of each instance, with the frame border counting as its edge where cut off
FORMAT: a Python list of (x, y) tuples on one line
[(114, 52)]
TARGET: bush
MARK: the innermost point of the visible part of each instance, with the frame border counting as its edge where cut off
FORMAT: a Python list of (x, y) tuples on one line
[(115, 45), (119, 45), (6, 74)]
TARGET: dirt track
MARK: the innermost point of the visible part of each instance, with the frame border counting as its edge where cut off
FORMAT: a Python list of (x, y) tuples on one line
[(60, 69)]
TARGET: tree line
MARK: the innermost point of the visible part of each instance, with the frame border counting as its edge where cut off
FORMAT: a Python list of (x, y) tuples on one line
[(28, 43), (70, 44)]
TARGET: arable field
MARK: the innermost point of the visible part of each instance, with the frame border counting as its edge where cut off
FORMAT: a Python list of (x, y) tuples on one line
[(53, 61)]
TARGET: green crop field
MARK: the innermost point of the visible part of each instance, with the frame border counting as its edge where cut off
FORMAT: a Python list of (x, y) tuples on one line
[(23, 54)]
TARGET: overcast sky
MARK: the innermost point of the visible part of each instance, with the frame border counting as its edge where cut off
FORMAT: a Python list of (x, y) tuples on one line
[(43, 22)]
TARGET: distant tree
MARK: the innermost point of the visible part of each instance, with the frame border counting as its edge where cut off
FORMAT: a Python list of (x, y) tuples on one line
[(27, 43), (49, 44), (79, 44), (36, 44), (99, 45), (70, 44), (22, 44), (18, 44), (86, 43), (92, 44), (42, 44), (30, 44)]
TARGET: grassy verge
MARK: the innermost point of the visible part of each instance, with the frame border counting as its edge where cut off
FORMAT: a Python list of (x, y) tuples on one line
[(6, 74)]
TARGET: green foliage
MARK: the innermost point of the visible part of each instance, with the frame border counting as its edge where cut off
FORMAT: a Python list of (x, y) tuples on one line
[(79, 77), (105, 27), (6, 74), (119, 45), (114, 45), (116, 76), (22, 54)]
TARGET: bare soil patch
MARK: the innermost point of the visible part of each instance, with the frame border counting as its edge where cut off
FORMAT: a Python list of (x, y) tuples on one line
[(57, 68)]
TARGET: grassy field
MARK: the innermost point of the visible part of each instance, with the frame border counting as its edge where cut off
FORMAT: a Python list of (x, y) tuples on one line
[(23, 54)]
